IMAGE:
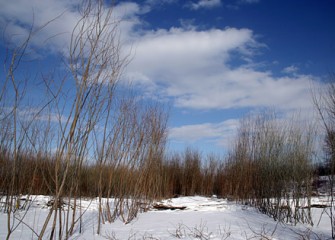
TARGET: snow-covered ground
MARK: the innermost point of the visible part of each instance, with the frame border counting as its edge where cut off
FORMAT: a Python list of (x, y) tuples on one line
[(203, 218)]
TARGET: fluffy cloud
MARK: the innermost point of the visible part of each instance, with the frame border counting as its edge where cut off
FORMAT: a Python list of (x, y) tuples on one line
[(57, 19), (290, 69), (179, 51), (17, 17), (205, 4), (243, 87), (220, 133), (196, 69)]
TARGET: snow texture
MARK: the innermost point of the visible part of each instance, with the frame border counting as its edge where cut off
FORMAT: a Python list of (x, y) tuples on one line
[(203, 218)]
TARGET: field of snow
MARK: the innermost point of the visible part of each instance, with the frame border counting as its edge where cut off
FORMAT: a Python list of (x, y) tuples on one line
[(203, 218)]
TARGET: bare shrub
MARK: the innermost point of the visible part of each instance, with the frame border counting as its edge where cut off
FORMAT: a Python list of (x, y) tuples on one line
[(271, 167), (324, 102)]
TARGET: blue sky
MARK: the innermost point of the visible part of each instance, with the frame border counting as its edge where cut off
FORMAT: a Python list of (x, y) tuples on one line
[(211, 61)]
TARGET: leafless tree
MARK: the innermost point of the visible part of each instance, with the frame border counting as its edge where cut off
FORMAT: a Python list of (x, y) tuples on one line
[(91, 129), (20, 137)]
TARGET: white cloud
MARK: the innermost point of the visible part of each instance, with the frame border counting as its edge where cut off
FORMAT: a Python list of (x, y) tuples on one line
[(17, 17), (194, 68), (221, 134), (175, 57), (243, 87), (290, 69), (194, 132), (205, 4)]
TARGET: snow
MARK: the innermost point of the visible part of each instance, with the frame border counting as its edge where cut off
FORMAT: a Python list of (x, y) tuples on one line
[(203, 218)]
